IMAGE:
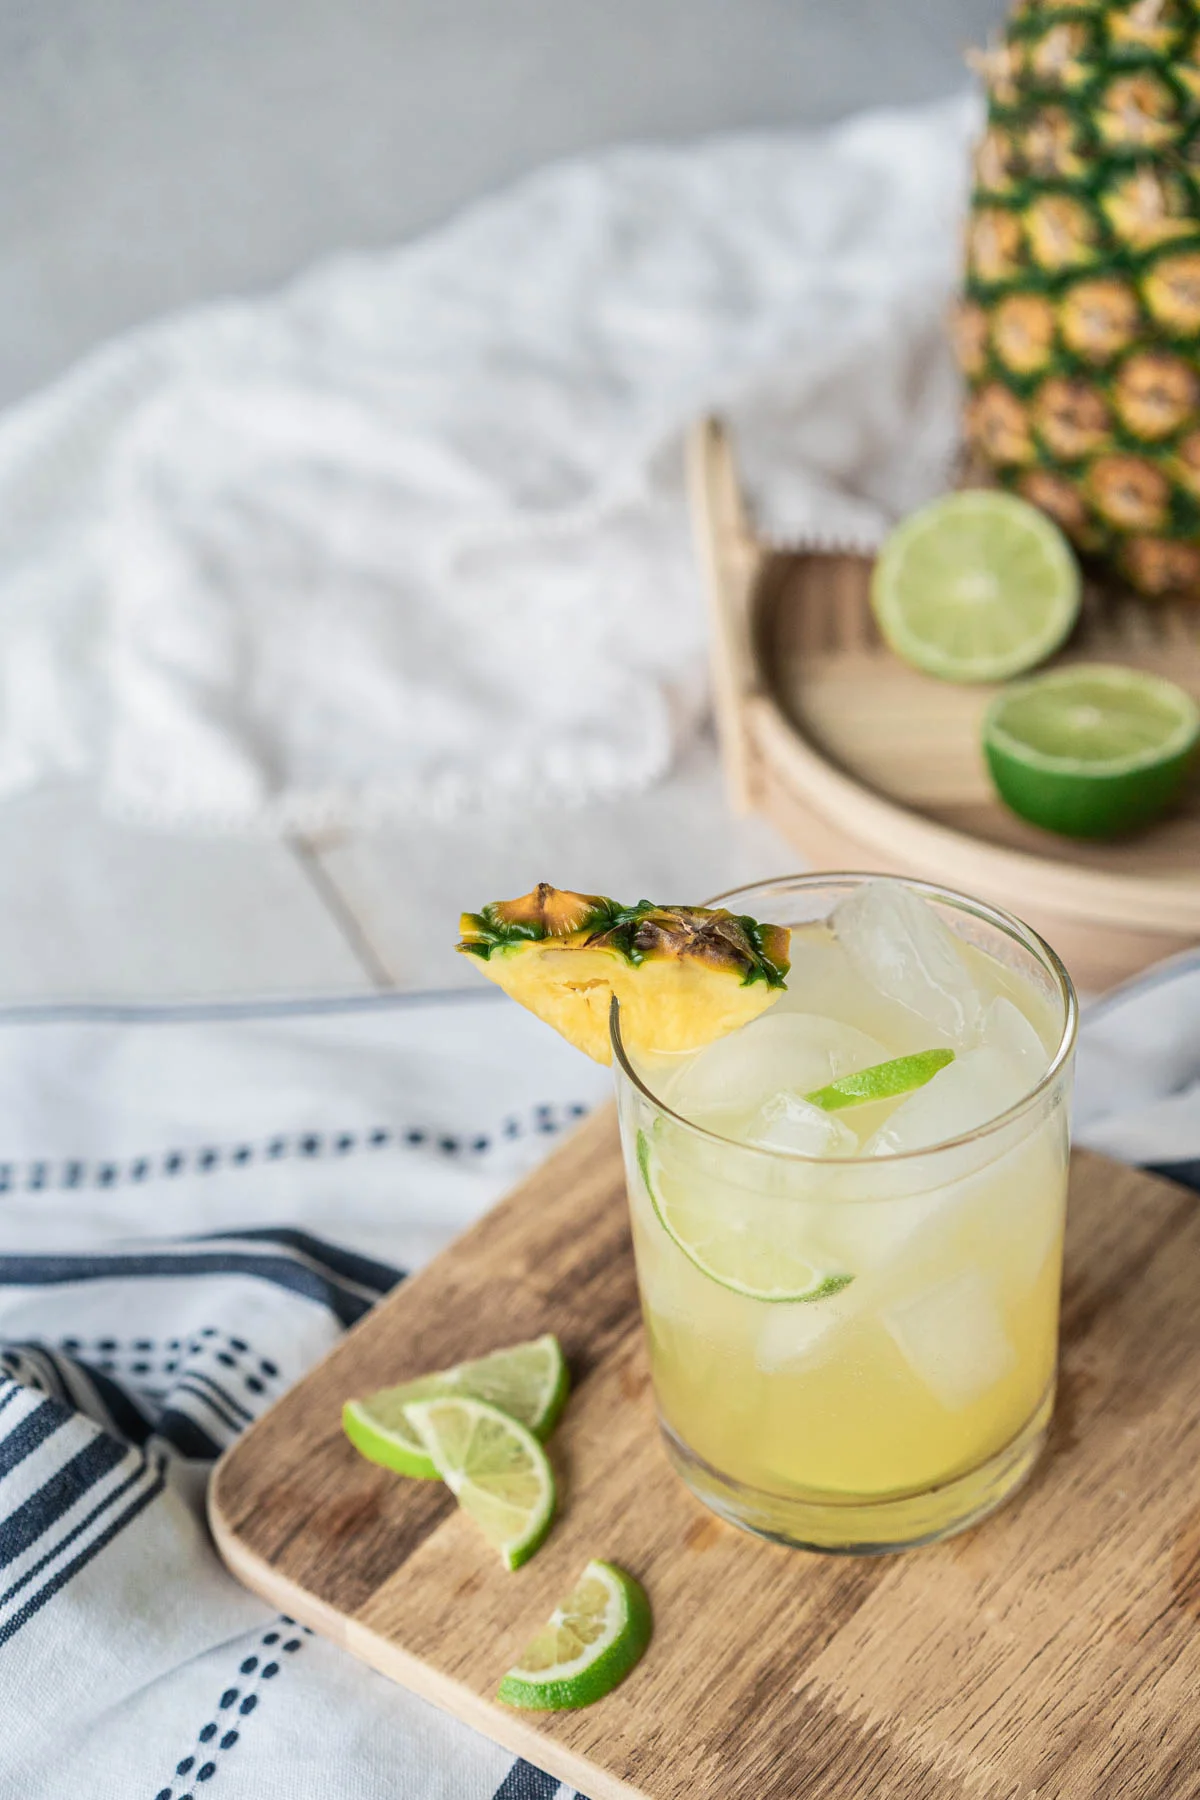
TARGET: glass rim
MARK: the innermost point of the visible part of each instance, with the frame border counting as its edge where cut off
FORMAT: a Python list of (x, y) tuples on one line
[(1007, 922)]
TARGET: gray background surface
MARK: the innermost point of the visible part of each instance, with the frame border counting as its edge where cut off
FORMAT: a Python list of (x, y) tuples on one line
[(153, 152)]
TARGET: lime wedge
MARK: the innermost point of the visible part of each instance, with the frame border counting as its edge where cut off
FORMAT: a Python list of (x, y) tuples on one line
[(528, 1381), (1092, 750), (591, 1643), (975, 586), (882, 1081), (760, 1251), (494, 1467)]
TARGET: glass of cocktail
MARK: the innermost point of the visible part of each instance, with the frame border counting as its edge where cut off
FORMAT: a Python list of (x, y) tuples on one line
[(851, 1289)]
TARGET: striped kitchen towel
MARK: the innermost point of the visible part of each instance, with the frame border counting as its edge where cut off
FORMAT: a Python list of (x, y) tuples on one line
[(194, 1203)]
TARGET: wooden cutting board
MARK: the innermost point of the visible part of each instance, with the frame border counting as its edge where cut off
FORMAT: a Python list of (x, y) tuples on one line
[(1052, 1651)]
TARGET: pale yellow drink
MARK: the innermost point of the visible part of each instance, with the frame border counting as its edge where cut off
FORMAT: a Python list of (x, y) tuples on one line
[(853, 1344)]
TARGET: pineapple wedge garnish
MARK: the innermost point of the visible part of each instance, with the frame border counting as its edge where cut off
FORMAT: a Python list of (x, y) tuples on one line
[(682, 975)]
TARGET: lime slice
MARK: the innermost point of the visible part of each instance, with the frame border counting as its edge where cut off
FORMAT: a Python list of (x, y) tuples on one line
[(882, 1081), (528, 1381), (494, 1467), (976, 586), (591, 1643), (1092, 750), (760, 1253)]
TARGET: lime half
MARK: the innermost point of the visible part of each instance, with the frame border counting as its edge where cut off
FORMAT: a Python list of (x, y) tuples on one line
[(494, 1467), (744, 1242), (1091, 751), (976, 586), (882, 1081), (591, 1643), (528, 1381)]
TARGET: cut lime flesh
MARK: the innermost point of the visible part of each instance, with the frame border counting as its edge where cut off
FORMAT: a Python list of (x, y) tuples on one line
[(976, 586), (767, 1263), (527, 1381), (1093, 750), (591, 1642), (882, 1081), (494, 1467)]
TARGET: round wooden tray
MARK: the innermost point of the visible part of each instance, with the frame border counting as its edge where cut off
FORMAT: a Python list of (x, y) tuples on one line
[(865, 763)]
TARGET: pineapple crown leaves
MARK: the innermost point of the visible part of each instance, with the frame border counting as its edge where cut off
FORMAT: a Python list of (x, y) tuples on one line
[(593, 921)]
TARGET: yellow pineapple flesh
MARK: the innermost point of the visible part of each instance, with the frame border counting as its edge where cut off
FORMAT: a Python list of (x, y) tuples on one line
[(682, 975), (1078, 333)]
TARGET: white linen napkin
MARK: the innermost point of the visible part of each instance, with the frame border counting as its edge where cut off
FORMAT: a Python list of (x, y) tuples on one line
[(409, 536), (194, 1202)]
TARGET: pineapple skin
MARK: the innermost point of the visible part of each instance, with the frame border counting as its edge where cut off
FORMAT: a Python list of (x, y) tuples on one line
[(1078, 330)]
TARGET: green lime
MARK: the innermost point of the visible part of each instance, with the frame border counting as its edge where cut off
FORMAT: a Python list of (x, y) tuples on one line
[(759, 1251), (975, 586), (494, 1467), (882, 1081), (591, 1643), (528, 1381), (1091, 750)]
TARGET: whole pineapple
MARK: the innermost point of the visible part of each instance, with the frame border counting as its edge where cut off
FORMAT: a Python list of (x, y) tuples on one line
[(1079, 328)]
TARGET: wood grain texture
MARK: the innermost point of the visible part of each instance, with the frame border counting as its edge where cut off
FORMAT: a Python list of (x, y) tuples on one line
[(1053, 1651), (865, 762)]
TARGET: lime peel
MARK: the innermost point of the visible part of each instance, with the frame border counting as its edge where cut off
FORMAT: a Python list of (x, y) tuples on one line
[(882, 1081), (590, 1643)]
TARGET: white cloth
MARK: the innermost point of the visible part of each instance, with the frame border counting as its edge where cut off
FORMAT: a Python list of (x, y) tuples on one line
[(168, 1176), (409, 536)]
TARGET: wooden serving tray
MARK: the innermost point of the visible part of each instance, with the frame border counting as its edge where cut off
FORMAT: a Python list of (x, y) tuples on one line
[(1052, 1651), (864, 762)]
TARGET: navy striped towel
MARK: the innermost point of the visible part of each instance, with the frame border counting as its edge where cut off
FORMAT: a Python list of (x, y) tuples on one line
[(194, 1202)]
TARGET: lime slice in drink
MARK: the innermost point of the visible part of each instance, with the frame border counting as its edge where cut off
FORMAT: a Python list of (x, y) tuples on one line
[(752, 1246), (494, 1467), (975, 586), (528, 1381), (591, 1643), (1092, 750), (882, 1081)]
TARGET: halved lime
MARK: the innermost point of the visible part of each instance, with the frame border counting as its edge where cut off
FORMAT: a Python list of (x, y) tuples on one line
[(494, 1467), (591, 1643), (528, 1381), (882, 1081), (976, 586), (1091, 750), (748, 1243)]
